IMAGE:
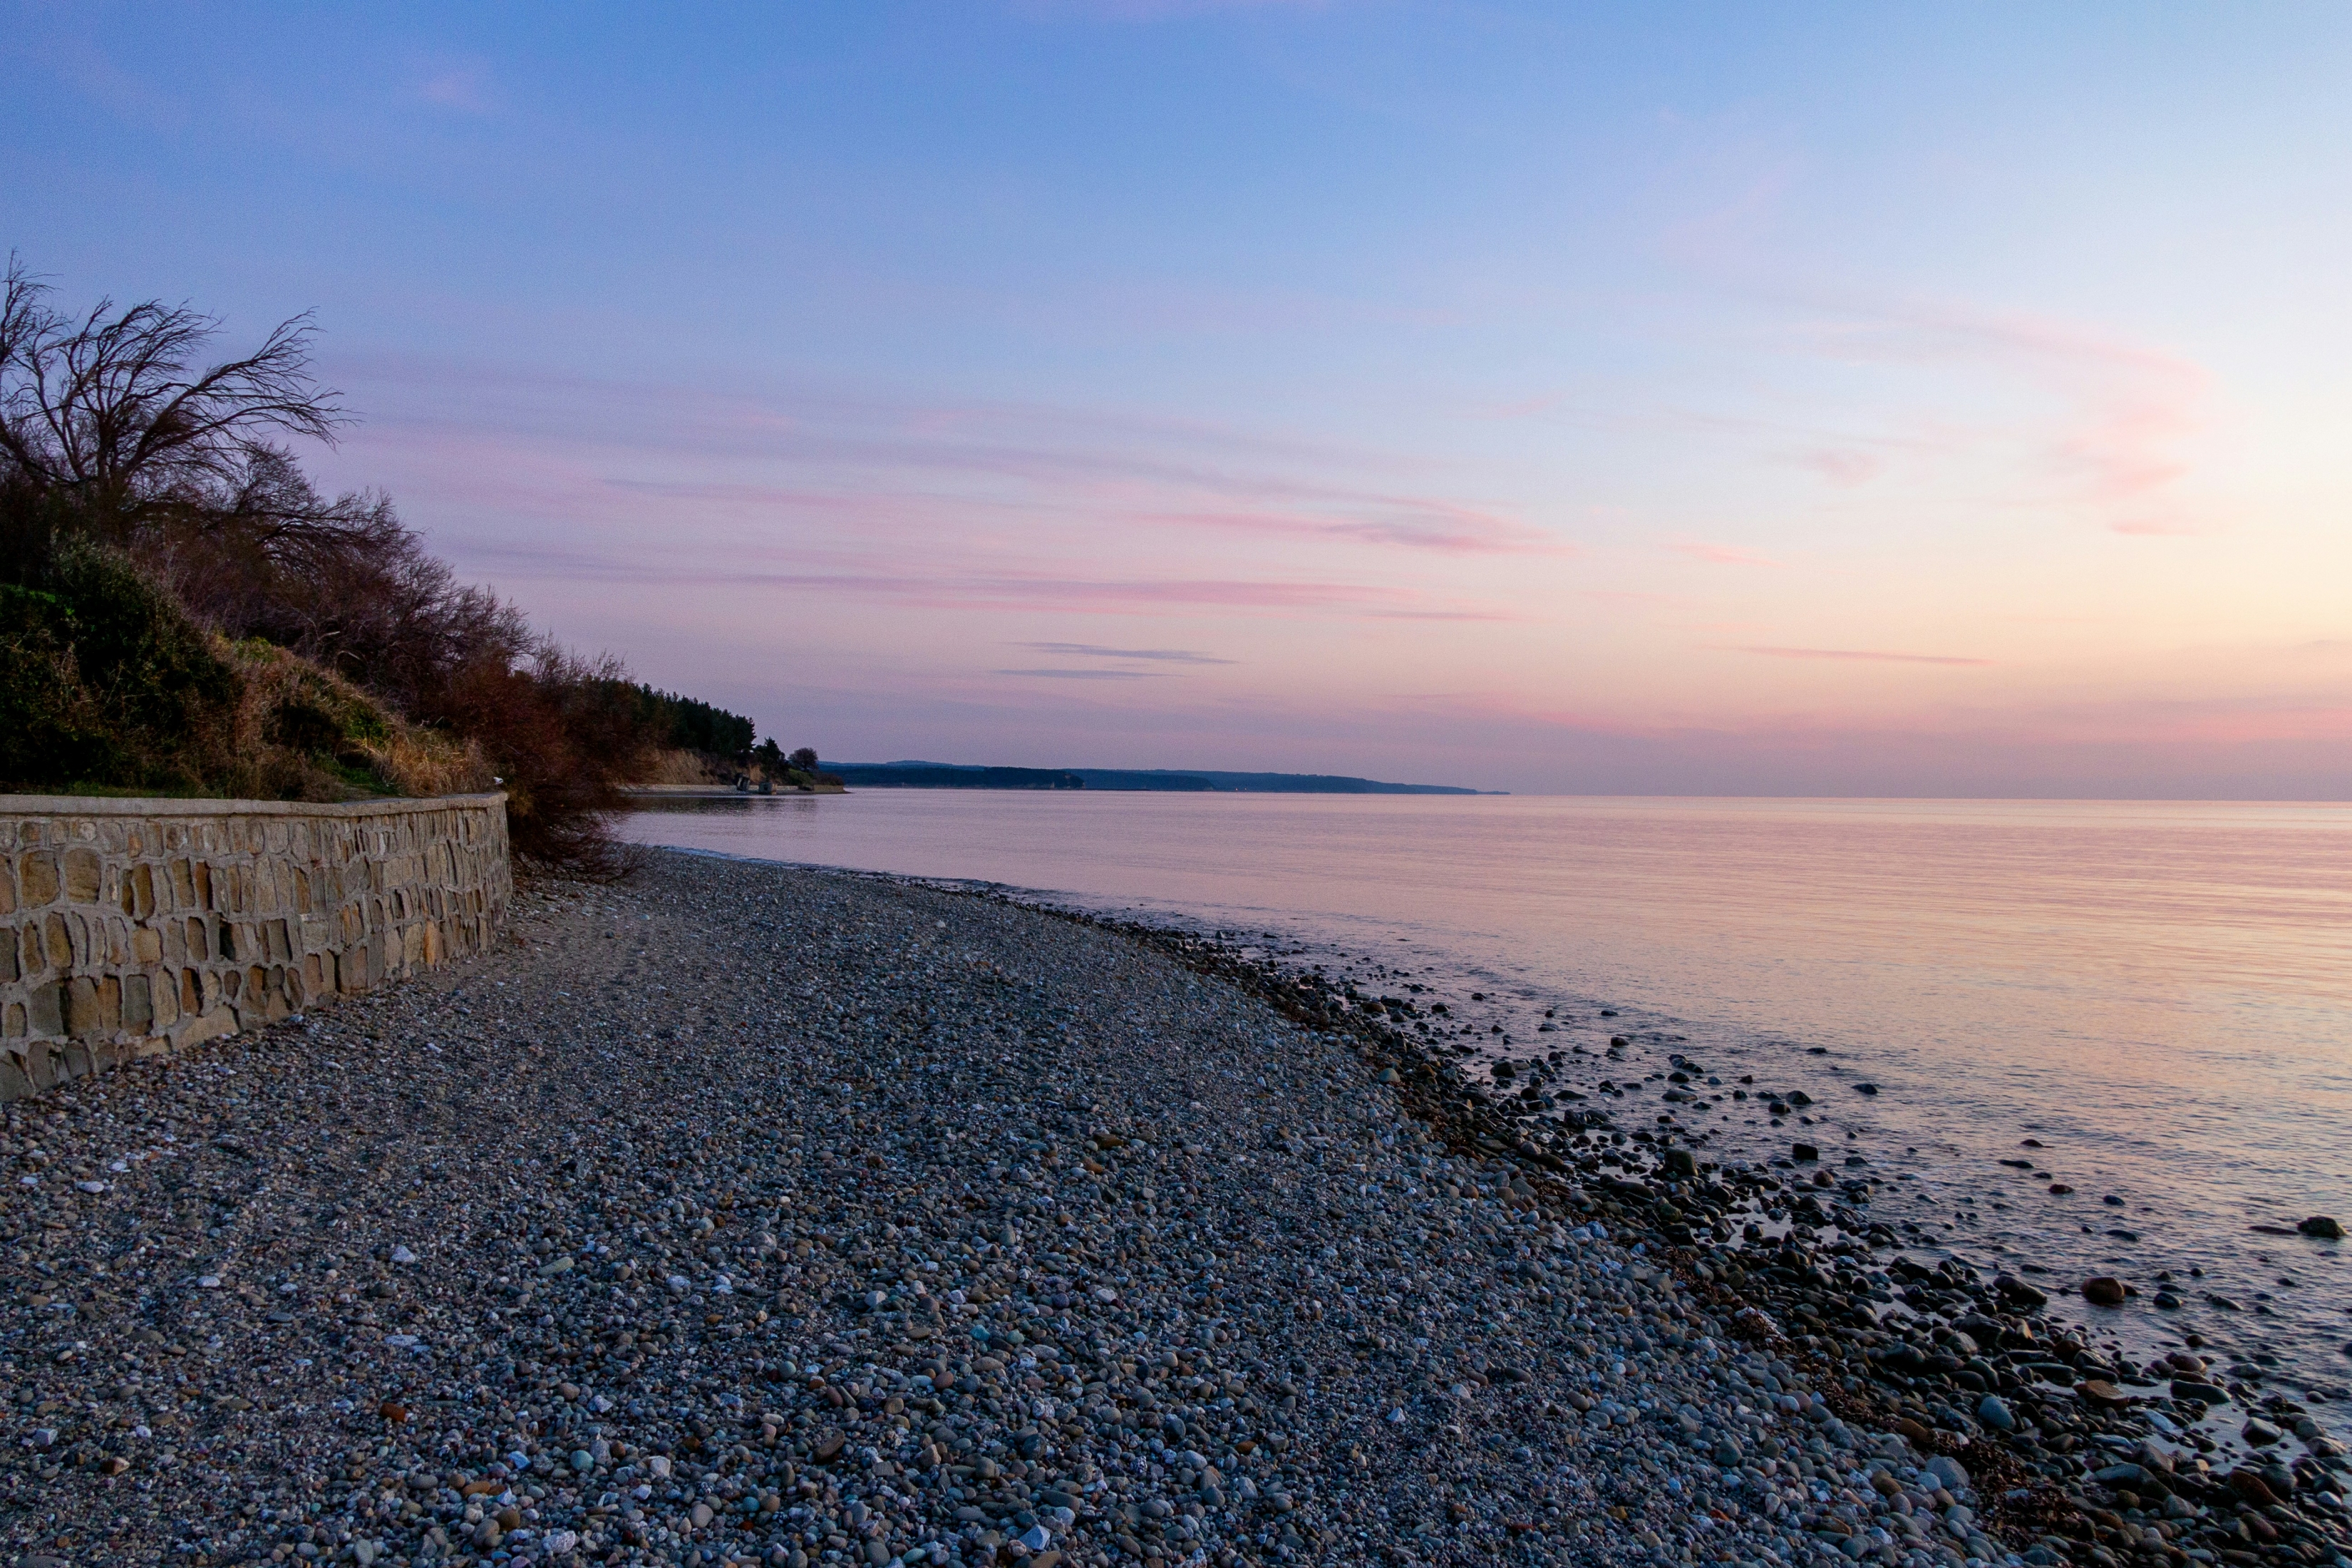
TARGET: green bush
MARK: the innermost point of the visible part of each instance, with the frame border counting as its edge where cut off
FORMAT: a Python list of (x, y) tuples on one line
[(105, 681)]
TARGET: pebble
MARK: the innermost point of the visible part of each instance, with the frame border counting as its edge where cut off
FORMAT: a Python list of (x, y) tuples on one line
[(832, 1218)]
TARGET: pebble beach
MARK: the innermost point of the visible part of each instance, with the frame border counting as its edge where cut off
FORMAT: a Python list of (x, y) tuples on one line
[(743, 1214)]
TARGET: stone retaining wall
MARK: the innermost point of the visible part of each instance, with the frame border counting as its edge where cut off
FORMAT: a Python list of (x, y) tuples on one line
[(131, 928)]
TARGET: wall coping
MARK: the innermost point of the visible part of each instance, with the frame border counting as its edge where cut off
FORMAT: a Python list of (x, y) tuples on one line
[(156, 805)]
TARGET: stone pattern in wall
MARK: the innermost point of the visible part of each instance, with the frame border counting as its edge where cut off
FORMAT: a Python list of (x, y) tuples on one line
[(131, 928)]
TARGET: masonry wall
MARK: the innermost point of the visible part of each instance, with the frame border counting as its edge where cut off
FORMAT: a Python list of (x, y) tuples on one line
[(131, 928)]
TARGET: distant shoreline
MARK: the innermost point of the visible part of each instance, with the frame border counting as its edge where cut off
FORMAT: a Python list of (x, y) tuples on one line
[(1121, 780)]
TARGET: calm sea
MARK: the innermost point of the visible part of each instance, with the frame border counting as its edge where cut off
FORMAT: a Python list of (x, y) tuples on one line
[(2161, 995)]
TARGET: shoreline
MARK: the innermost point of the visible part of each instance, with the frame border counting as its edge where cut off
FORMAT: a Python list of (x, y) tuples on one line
[(843, 1214), (2069, 1431), (2064, 1420)]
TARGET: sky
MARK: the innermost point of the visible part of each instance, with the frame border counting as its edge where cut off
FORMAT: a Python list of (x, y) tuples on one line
[(1927, 400)]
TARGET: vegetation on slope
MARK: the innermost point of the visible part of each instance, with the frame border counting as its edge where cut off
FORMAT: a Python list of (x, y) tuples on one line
[(181, 611)]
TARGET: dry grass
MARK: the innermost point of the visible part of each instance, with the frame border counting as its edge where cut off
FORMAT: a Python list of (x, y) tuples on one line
[(419, 762), (676, 767), (301, 733)]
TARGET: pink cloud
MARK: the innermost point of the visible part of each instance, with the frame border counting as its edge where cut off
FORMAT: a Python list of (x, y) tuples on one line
[(1722, 555), (1089, 674), (979, 590), (465, 88), (1521, 409), (1148, 655), (1151, 10), (1865, 655), (2133, 410), (1840, 466), (2156, 527), (853, 459), (1413, 523)]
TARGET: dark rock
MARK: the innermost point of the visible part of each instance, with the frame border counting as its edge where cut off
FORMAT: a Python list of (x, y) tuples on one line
[(1866, 1088), (1901, 1358), (1803, 1151), (2100, 1291), (2017, 1293), (2321, 1226), (2098, 1391), (1949, 1471)]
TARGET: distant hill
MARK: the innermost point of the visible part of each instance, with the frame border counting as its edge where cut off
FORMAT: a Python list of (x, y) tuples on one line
[(948, 775), (1191, 780)]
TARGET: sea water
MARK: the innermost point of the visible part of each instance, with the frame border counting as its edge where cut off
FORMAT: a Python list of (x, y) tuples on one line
[(2157, 995)]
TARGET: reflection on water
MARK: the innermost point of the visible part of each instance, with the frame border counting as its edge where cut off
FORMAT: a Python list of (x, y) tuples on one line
[(2160, 994)]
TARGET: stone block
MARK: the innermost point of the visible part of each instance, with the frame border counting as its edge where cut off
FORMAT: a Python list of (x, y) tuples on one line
[(137, 1009), (204, 1026), (85, 875), (38, 875), (46, 1005), (82, 1005)]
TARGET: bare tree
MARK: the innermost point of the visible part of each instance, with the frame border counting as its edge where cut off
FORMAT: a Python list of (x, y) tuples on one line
[(109, 413)]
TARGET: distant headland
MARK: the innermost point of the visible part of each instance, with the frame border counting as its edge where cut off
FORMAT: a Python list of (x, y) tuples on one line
[(1172, 781)]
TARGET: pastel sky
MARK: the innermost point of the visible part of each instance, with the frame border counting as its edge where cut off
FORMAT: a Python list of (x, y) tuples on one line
[(1833, 399)]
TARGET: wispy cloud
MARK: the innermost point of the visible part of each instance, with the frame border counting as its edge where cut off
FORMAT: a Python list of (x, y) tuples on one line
[(1843, 466), (944, 591), (945, 507), (1721, 554), (1090, 673), (466, 86), (1138, 11), (1411, 522), (1875, 656), (1092, 651), (2131, 411)]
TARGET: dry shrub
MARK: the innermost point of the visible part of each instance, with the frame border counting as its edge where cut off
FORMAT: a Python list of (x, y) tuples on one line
[(565, 733), (676, 765), (419, 762), (302, 733)]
